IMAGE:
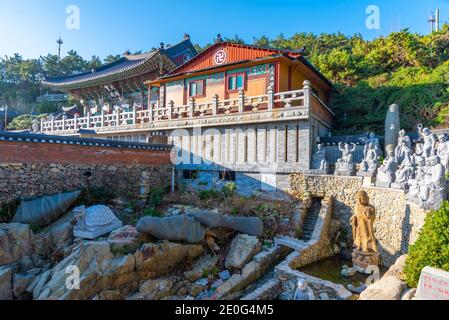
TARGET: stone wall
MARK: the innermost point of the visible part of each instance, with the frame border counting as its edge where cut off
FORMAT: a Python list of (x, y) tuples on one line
[(397, 221), (32, 169)]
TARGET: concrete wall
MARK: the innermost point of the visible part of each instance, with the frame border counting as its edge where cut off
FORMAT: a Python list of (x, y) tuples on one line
[(397, 221)]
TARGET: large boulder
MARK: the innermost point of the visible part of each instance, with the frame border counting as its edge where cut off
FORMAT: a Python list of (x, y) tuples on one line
[(387, 288), (157, 289), (176, 228), (6, 292), (243, 249), (249, 225), (16, 242), (45, 210)]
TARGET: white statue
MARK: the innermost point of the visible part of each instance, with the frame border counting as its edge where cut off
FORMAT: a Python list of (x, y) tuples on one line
[(443, 151), (94, 221), (404, 144), (429, 141), (386, 172), (370, 162), (345, 165), (303, 291), (406, 170), (429, 191), (319, 160)]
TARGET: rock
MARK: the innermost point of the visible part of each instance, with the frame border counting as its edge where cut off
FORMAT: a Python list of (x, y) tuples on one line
[(111, 295), (125, 239), (224, 275), (176, 228), (202, 282), (95, 222), (243, 249), (36, 286), (357, 290), (397, 268), (16, 242), (6, 289), (21, 283), (153, 259), (182, 292), (44, 210), (156, 289), (195, 290), (348, 272), (324, 296), (409, 294), (202, 264), (387, 288), (217, 283), (248, 225)]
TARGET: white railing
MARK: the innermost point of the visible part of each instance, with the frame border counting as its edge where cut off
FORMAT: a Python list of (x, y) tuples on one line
[(215, 108)]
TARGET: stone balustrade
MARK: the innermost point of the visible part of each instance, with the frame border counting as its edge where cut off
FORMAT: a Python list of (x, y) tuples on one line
[(289, 105)]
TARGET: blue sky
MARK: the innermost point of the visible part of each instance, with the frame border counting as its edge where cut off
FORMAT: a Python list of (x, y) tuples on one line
[(31, 27)]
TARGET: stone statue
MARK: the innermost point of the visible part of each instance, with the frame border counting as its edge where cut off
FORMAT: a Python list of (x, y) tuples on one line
[(35, 126), (370, 162), (406, 170), (404, 144), (392, 125), (429, 191), (429, 141), (345, 166), (94, 222), (443, 151), (319, 160), (365, 251), (386, 172), (303, 291)]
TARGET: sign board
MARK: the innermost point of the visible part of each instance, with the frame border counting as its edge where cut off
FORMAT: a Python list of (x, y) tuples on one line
[(433, 284)]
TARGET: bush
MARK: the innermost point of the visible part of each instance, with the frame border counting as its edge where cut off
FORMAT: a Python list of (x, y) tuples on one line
[(155, 197), (229, 188), (432, 246), (7, 210), (209, 194), (151, 212)]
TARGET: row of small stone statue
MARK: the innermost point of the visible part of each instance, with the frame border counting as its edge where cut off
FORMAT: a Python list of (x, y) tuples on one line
[(421, 172)]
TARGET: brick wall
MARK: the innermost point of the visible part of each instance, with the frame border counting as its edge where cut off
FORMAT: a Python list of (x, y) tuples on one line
[(32, 169)]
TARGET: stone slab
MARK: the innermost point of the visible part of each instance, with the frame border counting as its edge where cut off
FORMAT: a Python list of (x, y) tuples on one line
[(97, 233), (433, 284)]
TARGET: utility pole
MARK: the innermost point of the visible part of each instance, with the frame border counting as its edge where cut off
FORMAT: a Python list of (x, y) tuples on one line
[(59, 42)]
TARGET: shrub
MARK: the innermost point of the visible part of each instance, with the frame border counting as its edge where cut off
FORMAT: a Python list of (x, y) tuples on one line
[(208, 194), (152, 212), (432, 246), (7, 210), (155, 197), (229, 188)]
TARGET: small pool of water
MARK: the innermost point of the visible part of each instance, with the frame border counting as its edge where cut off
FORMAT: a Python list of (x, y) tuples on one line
[(330, 269)]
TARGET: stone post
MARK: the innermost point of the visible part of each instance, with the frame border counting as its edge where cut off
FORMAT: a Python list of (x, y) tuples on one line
[(64, 117), (88, 120), (392, 126), (52, 121), (42, 125), (134, 114), (150, 108), (171, 105), (270, 93), (192, 106), (117, 117), (307, 89), (75, 119), (241, 101), (214, 104), (102, 119)]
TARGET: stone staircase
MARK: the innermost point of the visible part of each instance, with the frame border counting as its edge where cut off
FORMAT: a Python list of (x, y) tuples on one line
[(310, 221)]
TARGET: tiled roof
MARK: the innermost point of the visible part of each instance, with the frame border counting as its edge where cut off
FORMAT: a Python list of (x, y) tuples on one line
[(127, 66)]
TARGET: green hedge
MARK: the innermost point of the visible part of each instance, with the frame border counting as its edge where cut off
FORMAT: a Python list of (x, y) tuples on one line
[(432, 246)]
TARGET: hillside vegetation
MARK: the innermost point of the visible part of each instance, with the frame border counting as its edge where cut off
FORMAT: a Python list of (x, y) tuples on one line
[(405, 68)]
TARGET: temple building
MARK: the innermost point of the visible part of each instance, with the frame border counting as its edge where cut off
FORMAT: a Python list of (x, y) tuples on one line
[(236, 112), (111, 89)]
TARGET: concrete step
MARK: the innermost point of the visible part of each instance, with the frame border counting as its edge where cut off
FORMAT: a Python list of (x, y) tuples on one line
[(291, 243)]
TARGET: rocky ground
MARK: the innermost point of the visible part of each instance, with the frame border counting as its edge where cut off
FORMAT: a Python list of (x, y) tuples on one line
[(36, 262)]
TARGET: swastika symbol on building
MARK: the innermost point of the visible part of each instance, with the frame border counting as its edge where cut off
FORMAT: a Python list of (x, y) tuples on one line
[(220, 57)]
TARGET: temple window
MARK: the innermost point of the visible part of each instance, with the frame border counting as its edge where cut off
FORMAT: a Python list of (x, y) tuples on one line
[(236, 82), (196, 88)]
